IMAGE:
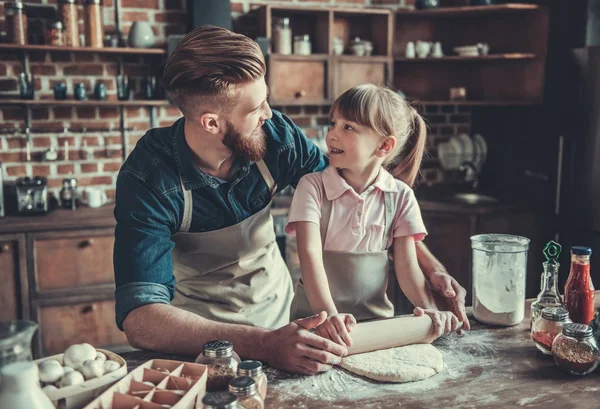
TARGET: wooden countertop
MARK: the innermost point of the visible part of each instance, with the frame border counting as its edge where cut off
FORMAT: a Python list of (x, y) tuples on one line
[(85, 217), (485, 368)]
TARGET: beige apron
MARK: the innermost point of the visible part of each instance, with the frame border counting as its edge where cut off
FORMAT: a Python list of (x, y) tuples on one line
[(235, 274), (358, 281)]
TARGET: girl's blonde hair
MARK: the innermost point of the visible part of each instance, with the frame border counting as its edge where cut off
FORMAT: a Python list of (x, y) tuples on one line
[(388, 114)]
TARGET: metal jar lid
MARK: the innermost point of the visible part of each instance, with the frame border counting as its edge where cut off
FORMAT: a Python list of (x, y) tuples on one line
[(67, 1), (581, 250), (579, 331), (92, 2), (17, 5), (217, 349), (220, 400), (249, 368), (303, 37), (555, 314), (242, 385)]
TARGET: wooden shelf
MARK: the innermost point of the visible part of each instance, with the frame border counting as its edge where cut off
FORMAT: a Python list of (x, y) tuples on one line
[(299, 102), (356, 58), (293, 57), (489, 57), (478, 103), (91, 102), (106, 50), (470, 11)]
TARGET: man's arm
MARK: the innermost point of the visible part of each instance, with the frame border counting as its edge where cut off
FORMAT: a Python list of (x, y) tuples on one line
[(443, 283)]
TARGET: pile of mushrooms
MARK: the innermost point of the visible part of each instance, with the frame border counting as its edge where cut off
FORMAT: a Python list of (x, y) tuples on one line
[(81, 363)]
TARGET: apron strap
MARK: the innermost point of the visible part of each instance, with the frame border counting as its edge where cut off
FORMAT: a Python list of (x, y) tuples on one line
[(187, 209), (325, 214), (390, 211), (266, 174)]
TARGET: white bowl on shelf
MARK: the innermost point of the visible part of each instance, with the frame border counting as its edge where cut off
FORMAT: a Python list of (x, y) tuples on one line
[(467, 51)]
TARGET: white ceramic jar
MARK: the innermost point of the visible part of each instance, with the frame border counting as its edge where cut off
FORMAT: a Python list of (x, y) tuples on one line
[(20, 387)]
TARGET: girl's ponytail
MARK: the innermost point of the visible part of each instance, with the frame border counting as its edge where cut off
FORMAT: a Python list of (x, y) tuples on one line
[(412, 153)]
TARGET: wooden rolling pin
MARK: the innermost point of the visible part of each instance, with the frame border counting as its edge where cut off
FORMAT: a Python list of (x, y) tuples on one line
[(390, 333)]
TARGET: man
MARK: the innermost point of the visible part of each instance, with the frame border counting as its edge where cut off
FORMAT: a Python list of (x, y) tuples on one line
[(195, 252)]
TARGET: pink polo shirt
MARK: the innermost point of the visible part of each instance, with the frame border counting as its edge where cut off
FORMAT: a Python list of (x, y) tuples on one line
[(357, 222)]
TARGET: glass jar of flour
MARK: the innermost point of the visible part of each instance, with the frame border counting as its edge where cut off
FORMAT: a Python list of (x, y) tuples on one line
[(499, 273)]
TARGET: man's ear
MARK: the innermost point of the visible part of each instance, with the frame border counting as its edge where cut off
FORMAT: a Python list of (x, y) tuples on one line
[(210, 122), (387, 146)]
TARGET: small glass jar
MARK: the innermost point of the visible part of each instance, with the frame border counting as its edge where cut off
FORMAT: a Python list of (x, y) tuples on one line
[(548, 326), (68, 15), (576, 350), (16, 22), (222, 363), (54, 35), (220, 400), (357, 47), (282, 37), (245, 389), (94, 27), (302, 45), (254, 370)]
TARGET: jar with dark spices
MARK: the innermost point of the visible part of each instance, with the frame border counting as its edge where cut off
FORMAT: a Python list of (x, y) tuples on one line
[(254, 369), (547, 327), (220, 400), (16, 22), (222, 363), (246, 391), (94, 27), (68, 14), (54, 35), (576, 350)]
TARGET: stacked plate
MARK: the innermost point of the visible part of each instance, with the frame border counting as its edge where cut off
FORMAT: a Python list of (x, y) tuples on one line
[(462, 148)]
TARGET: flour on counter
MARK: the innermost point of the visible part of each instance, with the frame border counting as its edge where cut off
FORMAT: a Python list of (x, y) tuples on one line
[(466, 356)]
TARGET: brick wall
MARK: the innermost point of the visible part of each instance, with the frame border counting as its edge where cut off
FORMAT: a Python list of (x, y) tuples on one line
[(99, 164)]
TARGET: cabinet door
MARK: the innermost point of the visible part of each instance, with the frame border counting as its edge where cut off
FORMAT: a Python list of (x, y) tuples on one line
[(351, 71), (449, 241), (73, 259), (92, 322), (297, 81), (13, 279)]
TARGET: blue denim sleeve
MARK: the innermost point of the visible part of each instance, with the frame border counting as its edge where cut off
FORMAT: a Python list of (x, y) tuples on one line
[(143, 265), (303, 157)]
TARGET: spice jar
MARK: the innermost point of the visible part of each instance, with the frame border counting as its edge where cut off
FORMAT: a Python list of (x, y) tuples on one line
[(254, 370), (302, 45), (282, 37), (576, 350), (222, 363), (94, 30), (245, 389), (579, 289), (548, 326), (220, 400), (16, 22), (54, 35), (68, 14)]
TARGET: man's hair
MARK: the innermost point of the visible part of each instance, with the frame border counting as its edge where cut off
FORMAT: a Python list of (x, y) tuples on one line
[(208, 64)]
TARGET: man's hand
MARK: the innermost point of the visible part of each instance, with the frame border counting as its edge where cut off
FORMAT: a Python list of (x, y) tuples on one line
[(293, 348), (337, 328), (450, 295)]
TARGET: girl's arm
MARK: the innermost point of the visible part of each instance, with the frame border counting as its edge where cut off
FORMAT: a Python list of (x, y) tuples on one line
[(314, 278), (410, 277)]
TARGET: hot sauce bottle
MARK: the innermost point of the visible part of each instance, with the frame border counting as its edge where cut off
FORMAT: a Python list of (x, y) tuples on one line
[(579, 289)]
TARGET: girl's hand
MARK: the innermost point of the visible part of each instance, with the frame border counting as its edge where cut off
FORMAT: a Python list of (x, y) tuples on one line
[(337, 327), (444, 322)]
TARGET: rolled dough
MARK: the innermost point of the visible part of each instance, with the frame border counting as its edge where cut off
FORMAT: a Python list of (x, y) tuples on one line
[(402, 364)]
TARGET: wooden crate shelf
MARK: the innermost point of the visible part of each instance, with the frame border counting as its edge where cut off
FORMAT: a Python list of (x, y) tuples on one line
[(468, 11), (90, 102), (483, 58), (106, 50)]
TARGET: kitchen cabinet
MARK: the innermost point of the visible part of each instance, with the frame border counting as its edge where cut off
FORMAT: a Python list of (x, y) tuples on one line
[(13, 276)]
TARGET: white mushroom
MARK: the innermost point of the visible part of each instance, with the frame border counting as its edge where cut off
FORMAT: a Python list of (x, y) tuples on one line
[(76, 354), (71, 378), (100, 356), (111, 366), (92, 369), (68, 369), (50, 371), (49, 388)]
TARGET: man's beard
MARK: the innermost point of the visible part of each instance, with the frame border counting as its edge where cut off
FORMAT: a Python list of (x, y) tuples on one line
[(250, 148)]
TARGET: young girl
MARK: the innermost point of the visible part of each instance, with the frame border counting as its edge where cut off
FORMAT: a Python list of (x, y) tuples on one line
[(347, 217)]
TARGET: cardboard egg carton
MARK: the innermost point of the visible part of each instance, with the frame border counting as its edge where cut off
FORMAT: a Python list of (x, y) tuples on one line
[(155, 384)]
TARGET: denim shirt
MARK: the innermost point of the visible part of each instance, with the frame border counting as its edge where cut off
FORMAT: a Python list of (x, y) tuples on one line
[(149, 202)]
